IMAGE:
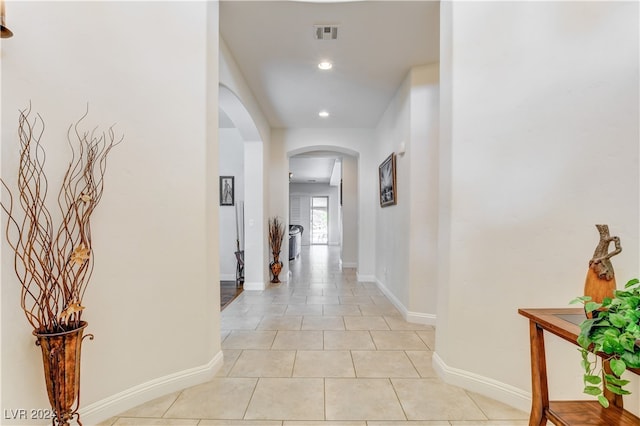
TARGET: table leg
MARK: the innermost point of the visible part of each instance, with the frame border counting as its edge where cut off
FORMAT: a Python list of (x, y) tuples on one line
[(539, 389)]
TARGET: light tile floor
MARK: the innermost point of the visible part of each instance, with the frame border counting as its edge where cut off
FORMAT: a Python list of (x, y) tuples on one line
[(323, 349)]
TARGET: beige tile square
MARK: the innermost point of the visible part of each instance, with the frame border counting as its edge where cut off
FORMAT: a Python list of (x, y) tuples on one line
[(230, 357), (290, 300), (221, 398), (322, 323), (287, 399), (348, 340), (303, 310), (365, 323), (154, 408), (344, 310), (422, 361), (428, 337), (399, 323), (342, 291), (241, 339), (322, 300), (432, 399), (399, 340), (361, 399), (410, 423), (280, 323), (255, 363), (240, 423), (145, 421), (379, 310), (356, 300), (109, 422), (271, 309), (310, 339), (323, 423), (496, 410), (490, 423), (383, 364), (308, 291), (323, 364), (239, 322)]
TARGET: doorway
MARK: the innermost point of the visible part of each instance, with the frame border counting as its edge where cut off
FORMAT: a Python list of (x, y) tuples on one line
[(320, 220)]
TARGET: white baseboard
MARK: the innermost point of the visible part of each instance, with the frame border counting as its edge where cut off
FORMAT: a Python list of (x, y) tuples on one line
[(113, 405), (258, 285), (227, 277), (491, 388), (412, 317), (421, 318)]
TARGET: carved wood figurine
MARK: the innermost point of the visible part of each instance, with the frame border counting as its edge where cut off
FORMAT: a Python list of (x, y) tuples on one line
[(601, 280)]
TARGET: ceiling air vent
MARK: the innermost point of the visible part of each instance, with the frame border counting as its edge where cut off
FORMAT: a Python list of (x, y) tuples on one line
[(326, 32)]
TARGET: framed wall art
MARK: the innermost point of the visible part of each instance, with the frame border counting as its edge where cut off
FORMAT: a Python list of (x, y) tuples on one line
[(226, 190), (387, 176)]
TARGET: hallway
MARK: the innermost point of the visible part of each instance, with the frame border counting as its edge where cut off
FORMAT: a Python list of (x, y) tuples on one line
[(323, 349)]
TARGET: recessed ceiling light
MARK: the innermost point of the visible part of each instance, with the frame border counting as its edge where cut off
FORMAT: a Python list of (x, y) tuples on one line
[(323, 114), (325, 65)]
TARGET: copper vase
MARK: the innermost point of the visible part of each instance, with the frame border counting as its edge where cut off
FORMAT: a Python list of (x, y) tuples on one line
[(61, 359), (276, 267)]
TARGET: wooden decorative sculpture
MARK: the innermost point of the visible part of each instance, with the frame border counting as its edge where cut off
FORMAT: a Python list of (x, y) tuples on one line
[(601, 280), (54, 263)]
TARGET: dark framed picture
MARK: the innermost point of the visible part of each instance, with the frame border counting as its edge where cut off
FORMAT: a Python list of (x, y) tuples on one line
[(387, 175), (226, 190)]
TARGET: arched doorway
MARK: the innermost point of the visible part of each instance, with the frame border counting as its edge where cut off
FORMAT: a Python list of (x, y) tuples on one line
[(249, 228)]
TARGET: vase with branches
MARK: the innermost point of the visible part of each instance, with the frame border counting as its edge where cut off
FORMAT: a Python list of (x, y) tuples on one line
[(54, 263), (276, 235)]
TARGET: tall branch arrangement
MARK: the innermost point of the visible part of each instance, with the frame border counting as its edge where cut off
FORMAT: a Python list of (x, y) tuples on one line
[(276, 234), (54, 264)]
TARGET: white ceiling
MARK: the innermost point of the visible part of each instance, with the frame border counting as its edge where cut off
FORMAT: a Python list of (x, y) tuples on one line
[(378, 42)]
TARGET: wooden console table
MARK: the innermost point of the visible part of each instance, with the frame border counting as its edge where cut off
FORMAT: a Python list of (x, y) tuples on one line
[(564, 323)]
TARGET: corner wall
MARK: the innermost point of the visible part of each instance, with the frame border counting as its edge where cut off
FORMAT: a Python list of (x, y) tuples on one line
[(406, 248), (154, 231), (540, 130)]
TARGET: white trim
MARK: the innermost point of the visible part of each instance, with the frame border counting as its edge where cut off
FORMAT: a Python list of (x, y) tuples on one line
[(259, 286), (412, 317), (132, 397), (492, 388), (227, 277), (365, 278), (421, 318), (349, 264)]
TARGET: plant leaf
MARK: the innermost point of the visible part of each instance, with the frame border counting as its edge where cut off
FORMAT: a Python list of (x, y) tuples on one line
[(632, 282), (594, 380), (592, 306), (617, 389), (603, 401), (592, 390), (618, 367)]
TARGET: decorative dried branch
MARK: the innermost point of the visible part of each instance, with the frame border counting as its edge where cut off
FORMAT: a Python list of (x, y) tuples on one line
[(276, 234), (54, 265)]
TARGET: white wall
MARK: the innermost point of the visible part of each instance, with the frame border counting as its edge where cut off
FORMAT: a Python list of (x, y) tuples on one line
[(540, 124), (155, 279), (231, 163), (256, 132), (307, 190), (406, 249), (349, 211)]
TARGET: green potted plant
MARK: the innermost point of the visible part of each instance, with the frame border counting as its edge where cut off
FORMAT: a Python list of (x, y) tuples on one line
[(613, 331)]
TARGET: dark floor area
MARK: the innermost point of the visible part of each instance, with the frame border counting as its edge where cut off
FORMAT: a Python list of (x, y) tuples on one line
[(228, 292)]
